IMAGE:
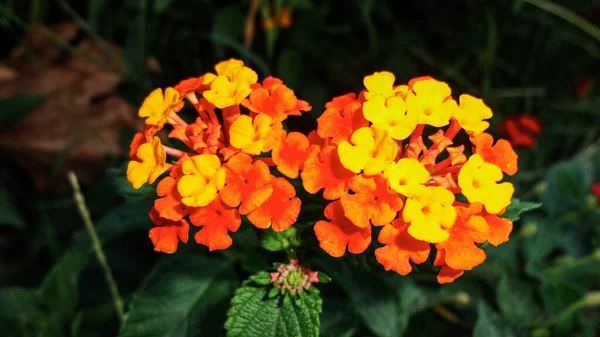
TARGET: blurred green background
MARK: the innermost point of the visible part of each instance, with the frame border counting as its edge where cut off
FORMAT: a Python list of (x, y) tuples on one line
[(73, 74)]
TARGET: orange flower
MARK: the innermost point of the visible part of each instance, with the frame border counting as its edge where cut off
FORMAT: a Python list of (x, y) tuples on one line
[(371, 202), (338, 233), (500, 228), (275, 100), (343, 116), (190, 85), (216, 220), (522, 131), (285, 17), (167, 234), (399, 248), (460, 250), (501, 154), (291, 153), (324, 170), (280, 211), (248, 184), (446, 273)]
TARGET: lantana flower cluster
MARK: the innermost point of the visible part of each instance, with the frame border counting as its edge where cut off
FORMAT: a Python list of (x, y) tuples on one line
[(224, 172), (385, 157), (378, 170)]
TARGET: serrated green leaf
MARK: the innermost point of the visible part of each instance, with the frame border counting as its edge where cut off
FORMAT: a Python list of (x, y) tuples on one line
[(9, 215), (17, 107), (262, 278), (490, 324), (278, 241), (517, 302), (253, 313), (518, 207), (179, 296)]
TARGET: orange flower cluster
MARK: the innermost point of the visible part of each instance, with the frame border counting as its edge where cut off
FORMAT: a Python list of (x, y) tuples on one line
[(375, 166), (522, 131), (224, 172)]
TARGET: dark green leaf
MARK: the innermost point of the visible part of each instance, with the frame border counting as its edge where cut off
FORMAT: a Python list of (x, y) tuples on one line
[(517, 302), (518, 207), (21, 310), (16, 108), (59, 288), (253, 313), (490, 324), (161, 6), (568, 185), (9, 215), (370, 296), (181, 293), (337, 320)]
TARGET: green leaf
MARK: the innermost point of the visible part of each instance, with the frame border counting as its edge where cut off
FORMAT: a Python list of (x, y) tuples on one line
[(567, 186), (516, 301), (518, 207), (253, 313), (17, 107), (20, 311), (160, 6), (490, 324), (337, 320), (278, 241), (9, 215), (179, 298), (59, 288), (370, 296)]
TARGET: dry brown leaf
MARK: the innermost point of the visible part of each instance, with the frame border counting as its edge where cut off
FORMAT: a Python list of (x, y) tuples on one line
[(82, 116)]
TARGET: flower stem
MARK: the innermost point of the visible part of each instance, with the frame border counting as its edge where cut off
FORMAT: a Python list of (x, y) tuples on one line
[(87, 220)]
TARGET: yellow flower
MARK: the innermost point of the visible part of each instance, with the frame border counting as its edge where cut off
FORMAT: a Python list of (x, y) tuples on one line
[(390, 114), (255, 136), (471, 114), (372, 150), (152, 164), (157, 107), (203, 178), (479, 183), (430, 102), (406, 176), (430, 213), (382, 83), (231, 85)]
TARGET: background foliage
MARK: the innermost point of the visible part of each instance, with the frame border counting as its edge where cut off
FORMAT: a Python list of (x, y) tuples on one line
[(521, 56)]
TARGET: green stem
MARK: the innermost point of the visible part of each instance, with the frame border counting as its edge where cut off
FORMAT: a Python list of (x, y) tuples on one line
[(87, 220), (567, 15)]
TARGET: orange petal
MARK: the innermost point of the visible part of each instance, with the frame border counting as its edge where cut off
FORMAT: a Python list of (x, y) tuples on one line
[(216, 220), (335, 235), (279, 211), (501, 154), (399, 248), (500, 228), (371, 202), (324, 170), (170, 206), (167, 234)]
